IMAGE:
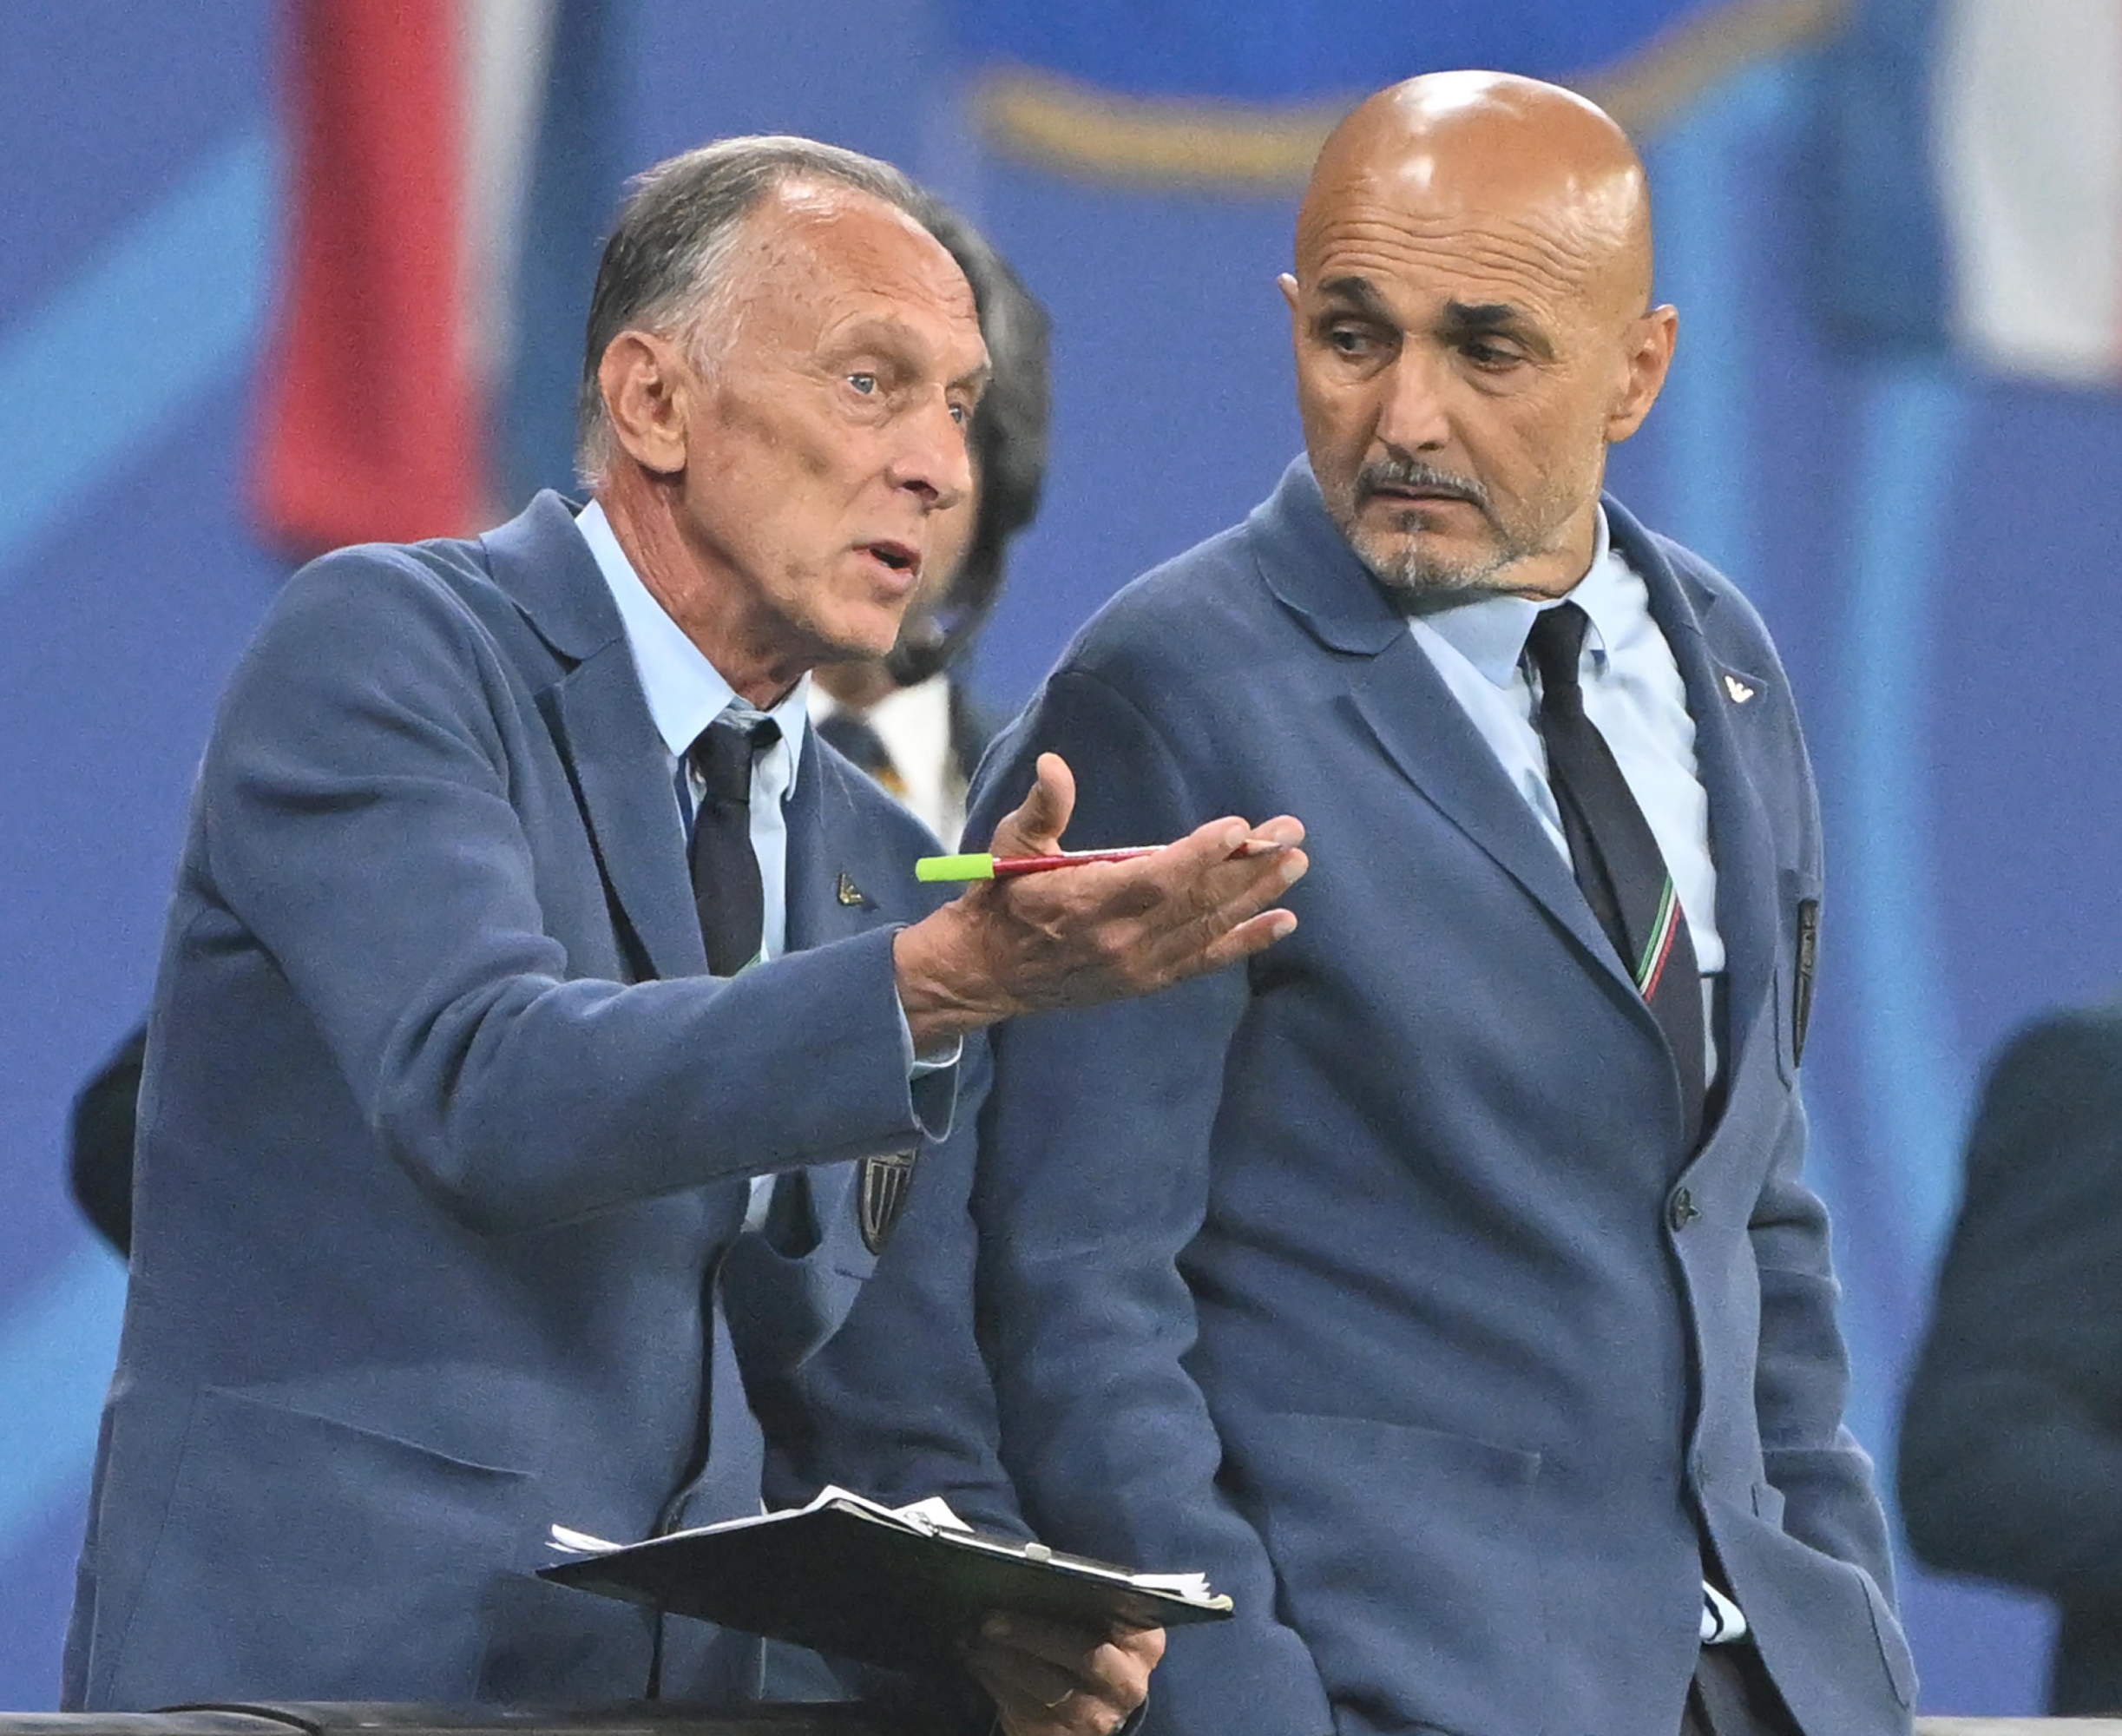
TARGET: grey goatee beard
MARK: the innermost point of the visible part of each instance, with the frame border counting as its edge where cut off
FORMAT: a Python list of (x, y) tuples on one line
[(1418, 580)]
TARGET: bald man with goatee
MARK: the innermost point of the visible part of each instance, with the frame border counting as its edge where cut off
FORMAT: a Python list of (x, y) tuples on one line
[(1444, 1282)]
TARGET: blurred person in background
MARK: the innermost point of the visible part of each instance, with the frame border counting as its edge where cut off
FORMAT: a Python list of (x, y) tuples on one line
[(908, 720), (2011, 1433)]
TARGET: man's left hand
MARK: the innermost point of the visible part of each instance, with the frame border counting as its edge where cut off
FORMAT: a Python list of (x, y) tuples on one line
[(1049, 1680)]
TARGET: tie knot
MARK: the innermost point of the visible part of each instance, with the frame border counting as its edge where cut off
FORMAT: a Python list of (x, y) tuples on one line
[(721, 755), (1555, 644)]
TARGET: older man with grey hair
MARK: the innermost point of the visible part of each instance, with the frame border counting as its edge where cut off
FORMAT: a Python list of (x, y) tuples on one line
[(546, 1017)]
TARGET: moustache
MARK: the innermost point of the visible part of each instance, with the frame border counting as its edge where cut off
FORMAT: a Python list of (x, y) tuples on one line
[(1407, 473)]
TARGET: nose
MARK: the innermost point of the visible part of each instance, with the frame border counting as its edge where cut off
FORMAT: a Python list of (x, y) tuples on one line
[(1414, 417), (933, 460)]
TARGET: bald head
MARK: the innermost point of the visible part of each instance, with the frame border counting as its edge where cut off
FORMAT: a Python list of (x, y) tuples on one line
[(1474, 328), (1490, 148)]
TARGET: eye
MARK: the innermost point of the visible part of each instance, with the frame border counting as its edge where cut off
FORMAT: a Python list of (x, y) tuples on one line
[(1348, 340), (865, 384), (1484, 354), (960, 414)]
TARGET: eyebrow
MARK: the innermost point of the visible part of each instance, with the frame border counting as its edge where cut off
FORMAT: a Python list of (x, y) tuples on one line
[(1360, 292), (883, 335), (1470, 318)]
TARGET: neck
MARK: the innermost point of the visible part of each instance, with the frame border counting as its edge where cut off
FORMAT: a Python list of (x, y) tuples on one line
[(692, 587), (1556, 571), (856, 686)]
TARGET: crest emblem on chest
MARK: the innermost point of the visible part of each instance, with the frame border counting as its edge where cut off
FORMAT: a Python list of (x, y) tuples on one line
[(880, 1196)]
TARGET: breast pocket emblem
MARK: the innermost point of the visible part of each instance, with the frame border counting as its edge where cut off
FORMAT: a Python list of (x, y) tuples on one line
[(881, 1196)]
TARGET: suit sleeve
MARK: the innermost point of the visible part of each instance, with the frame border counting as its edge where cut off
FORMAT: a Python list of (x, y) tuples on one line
[(2011, 1441), (1802, 1377), (357, 821), (1802, 1369), (1093, 1179)]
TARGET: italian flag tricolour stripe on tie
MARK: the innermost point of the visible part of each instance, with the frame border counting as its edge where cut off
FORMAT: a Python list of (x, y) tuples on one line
[(1658, 947)]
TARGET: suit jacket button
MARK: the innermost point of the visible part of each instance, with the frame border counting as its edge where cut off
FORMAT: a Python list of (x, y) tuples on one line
[(1680, 1210)]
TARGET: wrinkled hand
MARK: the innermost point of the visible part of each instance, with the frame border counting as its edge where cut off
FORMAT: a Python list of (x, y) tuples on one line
[(1049, 1679), (1101, 932)]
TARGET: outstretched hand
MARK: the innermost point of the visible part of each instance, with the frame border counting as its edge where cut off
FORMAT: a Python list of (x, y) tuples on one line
[(1049, 1680), (1095, 931)]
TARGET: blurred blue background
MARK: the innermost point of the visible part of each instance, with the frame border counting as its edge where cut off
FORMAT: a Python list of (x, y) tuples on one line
[(1932, 544)]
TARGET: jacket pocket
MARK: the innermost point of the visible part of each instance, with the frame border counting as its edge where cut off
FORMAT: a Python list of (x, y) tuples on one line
[(306, 1558), (1401, 1558)]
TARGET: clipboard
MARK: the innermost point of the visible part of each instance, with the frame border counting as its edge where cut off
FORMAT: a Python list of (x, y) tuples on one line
[(899, 1587)]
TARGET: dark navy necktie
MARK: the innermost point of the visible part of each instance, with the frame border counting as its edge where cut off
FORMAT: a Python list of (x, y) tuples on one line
[(726, 888), (1616, 856)]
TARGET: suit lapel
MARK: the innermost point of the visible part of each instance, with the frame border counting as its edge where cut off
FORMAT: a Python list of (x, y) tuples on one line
[(1741, 844), (825, 904), (1426, 732), (620, 767), (1412, 715), (600, 720), (816, 912)]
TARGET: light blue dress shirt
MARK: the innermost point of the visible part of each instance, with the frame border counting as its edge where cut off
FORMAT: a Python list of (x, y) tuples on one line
[(1635, 698), (685, 693)]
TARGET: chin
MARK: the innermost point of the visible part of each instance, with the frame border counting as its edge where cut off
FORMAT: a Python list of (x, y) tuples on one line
[(1416, 568), (858, 638)]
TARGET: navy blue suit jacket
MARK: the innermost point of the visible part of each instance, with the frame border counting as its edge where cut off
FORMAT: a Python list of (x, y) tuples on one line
[(444, 1135), (1373, 1278)]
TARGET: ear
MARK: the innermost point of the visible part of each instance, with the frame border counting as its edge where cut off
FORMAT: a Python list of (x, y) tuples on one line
[(1287, 284), (1647, 359), (647, 389)]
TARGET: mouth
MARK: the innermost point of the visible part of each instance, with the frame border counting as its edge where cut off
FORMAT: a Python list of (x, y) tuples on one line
[(902, 558), (1404, 495)]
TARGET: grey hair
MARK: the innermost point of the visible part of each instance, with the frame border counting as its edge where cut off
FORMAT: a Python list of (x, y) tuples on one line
[(665, 264)]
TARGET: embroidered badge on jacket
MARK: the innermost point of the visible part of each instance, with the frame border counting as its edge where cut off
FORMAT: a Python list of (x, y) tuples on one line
[(881, 1196)]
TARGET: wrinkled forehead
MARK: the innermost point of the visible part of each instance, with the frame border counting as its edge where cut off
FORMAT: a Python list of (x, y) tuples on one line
[(816, 254), (1497, 210)]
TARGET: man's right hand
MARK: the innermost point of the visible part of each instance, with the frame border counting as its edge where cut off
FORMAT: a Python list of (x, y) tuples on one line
[(1101, 932), (1051, 1679)]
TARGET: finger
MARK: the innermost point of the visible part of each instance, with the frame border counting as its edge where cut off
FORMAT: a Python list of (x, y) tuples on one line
[(1008, 1672), (1113, 1667), (1220, 897), (1039, 1705), (1065, 1645), (1216, 950), (1145, 1644), (1283, 829), (1035, 828), (1168, 917)]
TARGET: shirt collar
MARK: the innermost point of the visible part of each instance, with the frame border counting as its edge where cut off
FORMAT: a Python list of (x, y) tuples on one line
[(1490, 631), (685, 693)]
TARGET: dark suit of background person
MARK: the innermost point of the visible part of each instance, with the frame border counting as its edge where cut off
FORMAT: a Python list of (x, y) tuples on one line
[(446, 1134), (1375, 1279), (2011, 1435)]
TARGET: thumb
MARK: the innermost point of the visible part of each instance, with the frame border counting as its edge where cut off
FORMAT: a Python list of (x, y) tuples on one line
[(1035, 828)]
